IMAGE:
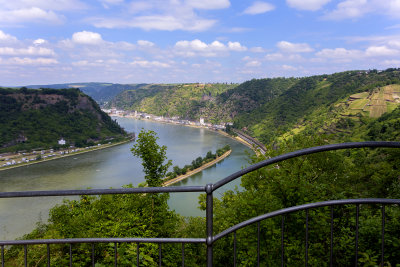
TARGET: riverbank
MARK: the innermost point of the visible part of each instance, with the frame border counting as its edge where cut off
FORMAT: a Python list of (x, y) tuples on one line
[(65, 155), (190, 173), (236, 138)]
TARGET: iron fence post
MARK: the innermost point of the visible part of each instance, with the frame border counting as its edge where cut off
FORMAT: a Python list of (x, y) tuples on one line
[(209, 224)]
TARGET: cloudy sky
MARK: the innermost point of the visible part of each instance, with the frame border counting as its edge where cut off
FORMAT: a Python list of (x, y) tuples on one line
[(171, 41)]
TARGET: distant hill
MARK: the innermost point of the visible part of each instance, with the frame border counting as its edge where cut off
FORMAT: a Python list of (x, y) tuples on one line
[(38, 118), (323, 104), (272, 109), (101, 92), (187, 101)]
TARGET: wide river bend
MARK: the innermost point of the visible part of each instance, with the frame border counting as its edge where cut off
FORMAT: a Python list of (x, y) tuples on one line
[(114, 167)]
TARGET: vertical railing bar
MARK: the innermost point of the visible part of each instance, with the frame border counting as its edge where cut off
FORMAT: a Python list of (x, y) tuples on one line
[(115, 254), (258, 244), (331, 250), (159, 254), (137, 254), (234, 249), (26, 255), (383, 234), (70, 255), (93, 254), (282, 240), (306, 260), (357, 230), (2, 255), (183, 254), (48, 255), (209, 223)]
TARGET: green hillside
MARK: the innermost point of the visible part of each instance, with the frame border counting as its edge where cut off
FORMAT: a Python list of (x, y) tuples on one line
[(101, 92), (319, 103), (187, 101), (31, 119)]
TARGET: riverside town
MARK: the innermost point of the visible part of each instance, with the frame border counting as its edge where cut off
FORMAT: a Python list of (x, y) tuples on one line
[(173, 120)]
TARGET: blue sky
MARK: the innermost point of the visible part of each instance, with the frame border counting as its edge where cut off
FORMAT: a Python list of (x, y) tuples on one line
[(173, 41)]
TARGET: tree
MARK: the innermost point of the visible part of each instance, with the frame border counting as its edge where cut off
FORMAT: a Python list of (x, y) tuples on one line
[(153, 157)]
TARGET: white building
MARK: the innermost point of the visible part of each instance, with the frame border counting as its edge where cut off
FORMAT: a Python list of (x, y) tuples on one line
[(61, 142), (202, 121)]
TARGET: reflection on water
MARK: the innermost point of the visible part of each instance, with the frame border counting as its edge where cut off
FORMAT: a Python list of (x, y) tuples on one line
[(113, 167)]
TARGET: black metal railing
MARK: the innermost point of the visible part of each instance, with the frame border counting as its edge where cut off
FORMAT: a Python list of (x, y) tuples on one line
[(210, 238)]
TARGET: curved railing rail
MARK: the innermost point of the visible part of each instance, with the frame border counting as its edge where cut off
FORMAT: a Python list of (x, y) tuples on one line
[(208, 189)]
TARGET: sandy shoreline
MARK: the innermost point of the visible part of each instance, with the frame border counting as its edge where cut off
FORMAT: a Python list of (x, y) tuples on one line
[(190, 173)]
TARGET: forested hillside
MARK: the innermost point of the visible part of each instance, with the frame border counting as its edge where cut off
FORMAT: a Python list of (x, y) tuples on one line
[(187, 101), (101, 92), (31, 119), (322, 104)]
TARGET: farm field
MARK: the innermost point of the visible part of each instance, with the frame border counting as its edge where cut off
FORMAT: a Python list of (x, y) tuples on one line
[(381, 100)]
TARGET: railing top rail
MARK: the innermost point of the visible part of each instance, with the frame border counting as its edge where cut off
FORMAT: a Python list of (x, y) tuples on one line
[(303, 152), (101, 240), (103, 191), (305, 207)]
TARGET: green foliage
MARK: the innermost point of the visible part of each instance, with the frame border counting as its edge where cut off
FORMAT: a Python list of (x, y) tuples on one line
[(386, 127), (197, 163), (104, 216), (153, 157), (318, 177), (31, 119)]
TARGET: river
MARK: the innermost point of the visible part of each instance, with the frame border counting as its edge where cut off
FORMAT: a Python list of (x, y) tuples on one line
[(115, 167)]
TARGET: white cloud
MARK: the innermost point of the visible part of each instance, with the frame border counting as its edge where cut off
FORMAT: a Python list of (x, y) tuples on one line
[(311, 5), (106, 3), (288, 67), (28, 61), (391, 62), (150, 64), (349, 9), (61, 5), (353, 9), (208, 4), (39, 41), (253, 63), (167, 15), (294, 47), (30, 51), (257, 49), (87, 38), (274, 56), (379, 51), (156, 22), (4, 37), (259, 8), (32, 14), (96, 63), (199, 48), (236, 46), (339, 53), (238, 29), (145, 43), (393, 8)]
